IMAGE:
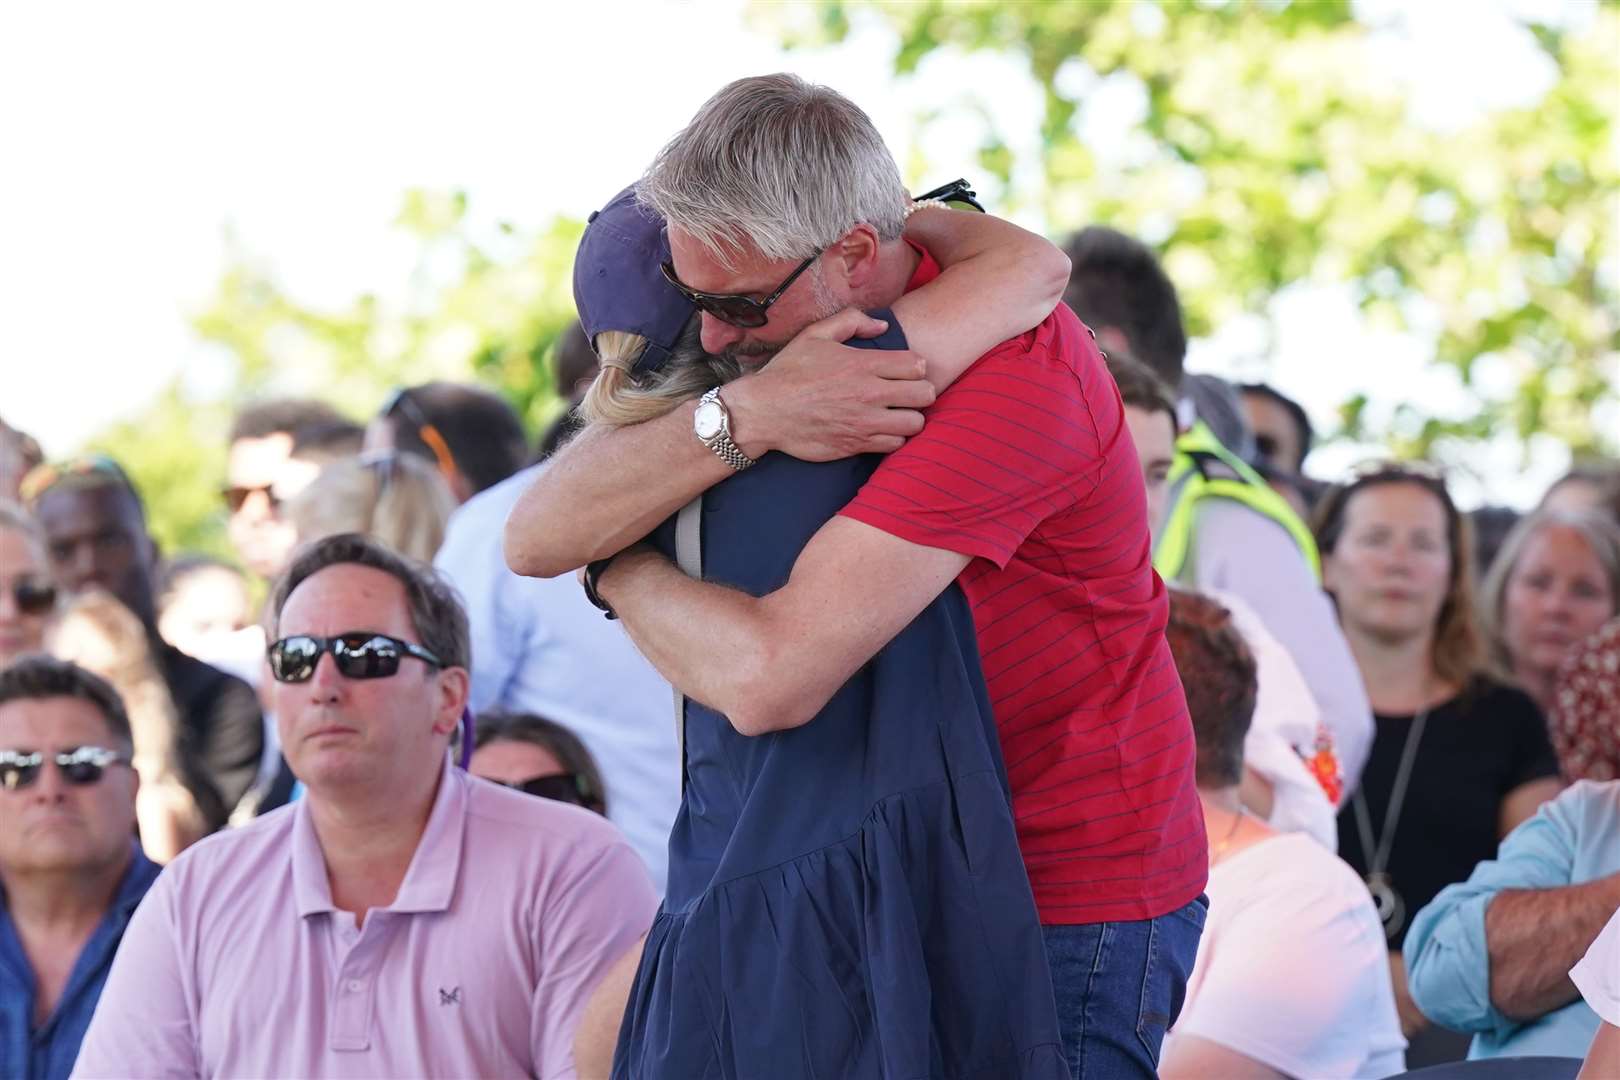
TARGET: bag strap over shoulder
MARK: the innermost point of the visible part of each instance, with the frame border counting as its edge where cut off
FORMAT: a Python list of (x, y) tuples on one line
[(689, 557)]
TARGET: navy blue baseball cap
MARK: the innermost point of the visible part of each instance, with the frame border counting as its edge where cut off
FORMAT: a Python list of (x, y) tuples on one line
[(619, 283)]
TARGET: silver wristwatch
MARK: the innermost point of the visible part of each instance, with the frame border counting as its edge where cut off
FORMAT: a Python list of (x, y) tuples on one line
[(712, 425)]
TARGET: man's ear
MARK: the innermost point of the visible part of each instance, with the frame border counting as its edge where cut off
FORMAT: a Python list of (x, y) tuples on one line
[(855, 256), (453, 685)]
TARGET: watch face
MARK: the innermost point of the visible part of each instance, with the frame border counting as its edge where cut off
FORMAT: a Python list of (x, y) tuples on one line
[(707, 421)]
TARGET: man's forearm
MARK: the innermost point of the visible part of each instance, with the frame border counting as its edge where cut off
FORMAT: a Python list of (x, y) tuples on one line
[(1533, 938), (612, 486), (607, 489)]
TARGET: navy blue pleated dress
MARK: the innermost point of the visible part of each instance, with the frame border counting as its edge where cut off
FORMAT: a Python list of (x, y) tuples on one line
[(846, 900)]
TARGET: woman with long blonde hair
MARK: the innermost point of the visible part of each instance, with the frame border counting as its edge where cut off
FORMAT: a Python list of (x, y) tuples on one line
[(1554, 583), (175, 806), (390, 496)]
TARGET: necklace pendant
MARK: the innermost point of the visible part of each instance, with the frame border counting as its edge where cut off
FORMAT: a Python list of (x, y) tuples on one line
[(1391, 908)]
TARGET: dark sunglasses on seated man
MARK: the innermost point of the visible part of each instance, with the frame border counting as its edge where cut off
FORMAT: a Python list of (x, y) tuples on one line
[(559, 787), (359, 654), (80, 766)]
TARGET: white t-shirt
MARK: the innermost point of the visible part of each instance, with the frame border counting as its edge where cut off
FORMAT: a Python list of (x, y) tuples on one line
[(1284, 726), (1293, 969), (1597, 976)]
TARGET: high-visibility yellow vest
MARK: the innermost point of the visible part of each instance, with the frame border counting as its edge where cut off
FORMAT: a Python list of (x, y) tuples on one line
[(1204, 469)]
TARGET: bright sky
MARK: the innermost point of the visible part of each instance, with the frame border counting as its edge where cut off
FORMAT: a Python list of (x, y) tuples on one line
[(136, 135)]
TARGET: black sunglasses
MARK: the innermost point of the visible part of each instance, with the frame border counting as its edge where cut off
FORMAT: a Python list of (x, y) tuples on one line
[(80, 766), (237, 497), (558, 787), (735, 308), (33, 597), (359, 654)]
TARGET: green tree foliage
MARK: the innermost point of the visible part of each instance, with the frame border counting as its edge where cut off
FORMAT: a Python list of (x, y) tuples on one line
[(174, 450), (484, 309), (1276, 146)]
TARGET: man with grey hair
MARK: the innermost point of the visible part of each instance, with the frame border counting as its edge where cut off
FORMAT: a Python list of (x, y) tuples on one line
[(413, 921), (784, 206)]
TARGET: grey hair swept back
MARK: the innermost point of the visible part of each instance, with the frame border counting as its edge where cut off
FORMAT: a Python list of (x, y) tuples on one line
[(778, 163)]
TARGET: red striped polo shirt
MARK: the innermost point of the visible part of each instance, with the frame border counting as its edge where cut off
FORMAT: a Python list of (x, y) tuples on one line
[(1027, 466)]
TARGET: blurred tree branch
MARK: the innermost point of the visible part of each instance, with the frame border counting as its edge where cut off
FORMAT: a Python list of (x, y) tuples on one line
[(1275, 147), (488, 311)]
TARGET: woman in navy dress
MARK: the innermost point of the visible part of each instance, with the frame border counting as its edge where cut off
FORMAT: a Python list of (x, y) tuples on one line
[(846, 898)]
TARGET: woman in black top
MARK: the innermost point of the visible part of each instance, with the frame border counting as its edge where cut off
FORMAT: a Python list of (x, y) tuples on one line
[(1457, 760)]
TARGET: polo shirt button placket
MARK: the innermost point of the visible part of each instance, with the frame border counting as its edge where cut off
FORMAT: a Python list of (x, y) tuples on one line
[(351, 1013)]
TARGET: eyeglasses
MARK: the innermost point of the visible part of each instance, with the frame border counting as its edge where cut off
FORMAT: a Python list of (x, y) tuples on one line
[(80, 766), (558, 787), (957, 191), (736, 309), (400, 401), (237, 497), (33, 597), (359, 654)]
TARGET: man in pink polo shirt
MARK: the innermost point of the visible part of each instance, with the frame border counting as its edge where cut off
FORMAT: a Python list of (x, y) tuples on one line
[(403, 919)]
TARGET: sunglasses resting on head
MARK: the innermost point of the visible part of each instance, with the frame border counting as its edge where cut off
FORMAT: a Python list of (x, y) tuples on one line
[(79, 766)]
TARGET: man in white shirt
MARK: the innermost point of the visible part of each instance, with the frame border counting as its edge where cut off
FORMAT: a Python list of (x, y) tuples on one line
[(1597, 977), (1292, 978)]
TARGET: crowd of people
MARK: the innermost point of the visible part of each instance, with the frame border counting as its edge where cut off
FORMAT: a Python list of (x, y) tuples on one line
[(894, 663)]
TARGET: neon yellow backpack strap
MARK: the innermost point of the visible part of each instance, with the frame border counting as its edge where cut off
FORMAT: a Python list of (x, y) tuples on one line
[(1190, 483)]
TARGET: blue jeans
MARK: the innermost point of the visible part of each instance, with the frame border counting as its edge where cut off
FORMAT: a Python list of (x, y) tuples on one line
[(1119, 987)]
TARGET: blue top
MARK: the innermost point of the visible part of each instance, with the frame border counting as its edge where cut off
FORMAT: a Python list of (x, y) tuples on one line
[(846, 899), (1571, 840), (48, 1052)]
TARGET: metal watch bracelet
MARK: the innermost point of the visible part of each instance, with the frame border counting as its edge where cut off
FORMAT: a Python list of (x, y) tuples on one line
[(720, 442)]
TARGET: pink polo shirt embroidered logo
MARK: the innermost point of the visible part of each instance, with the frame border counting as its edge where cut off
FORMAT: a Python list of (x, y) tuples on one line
[(238, 964)]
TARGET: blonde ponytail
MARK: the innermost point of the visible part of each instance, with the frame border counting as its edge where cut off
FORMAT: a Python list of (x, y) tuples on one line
[(618, 397)]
